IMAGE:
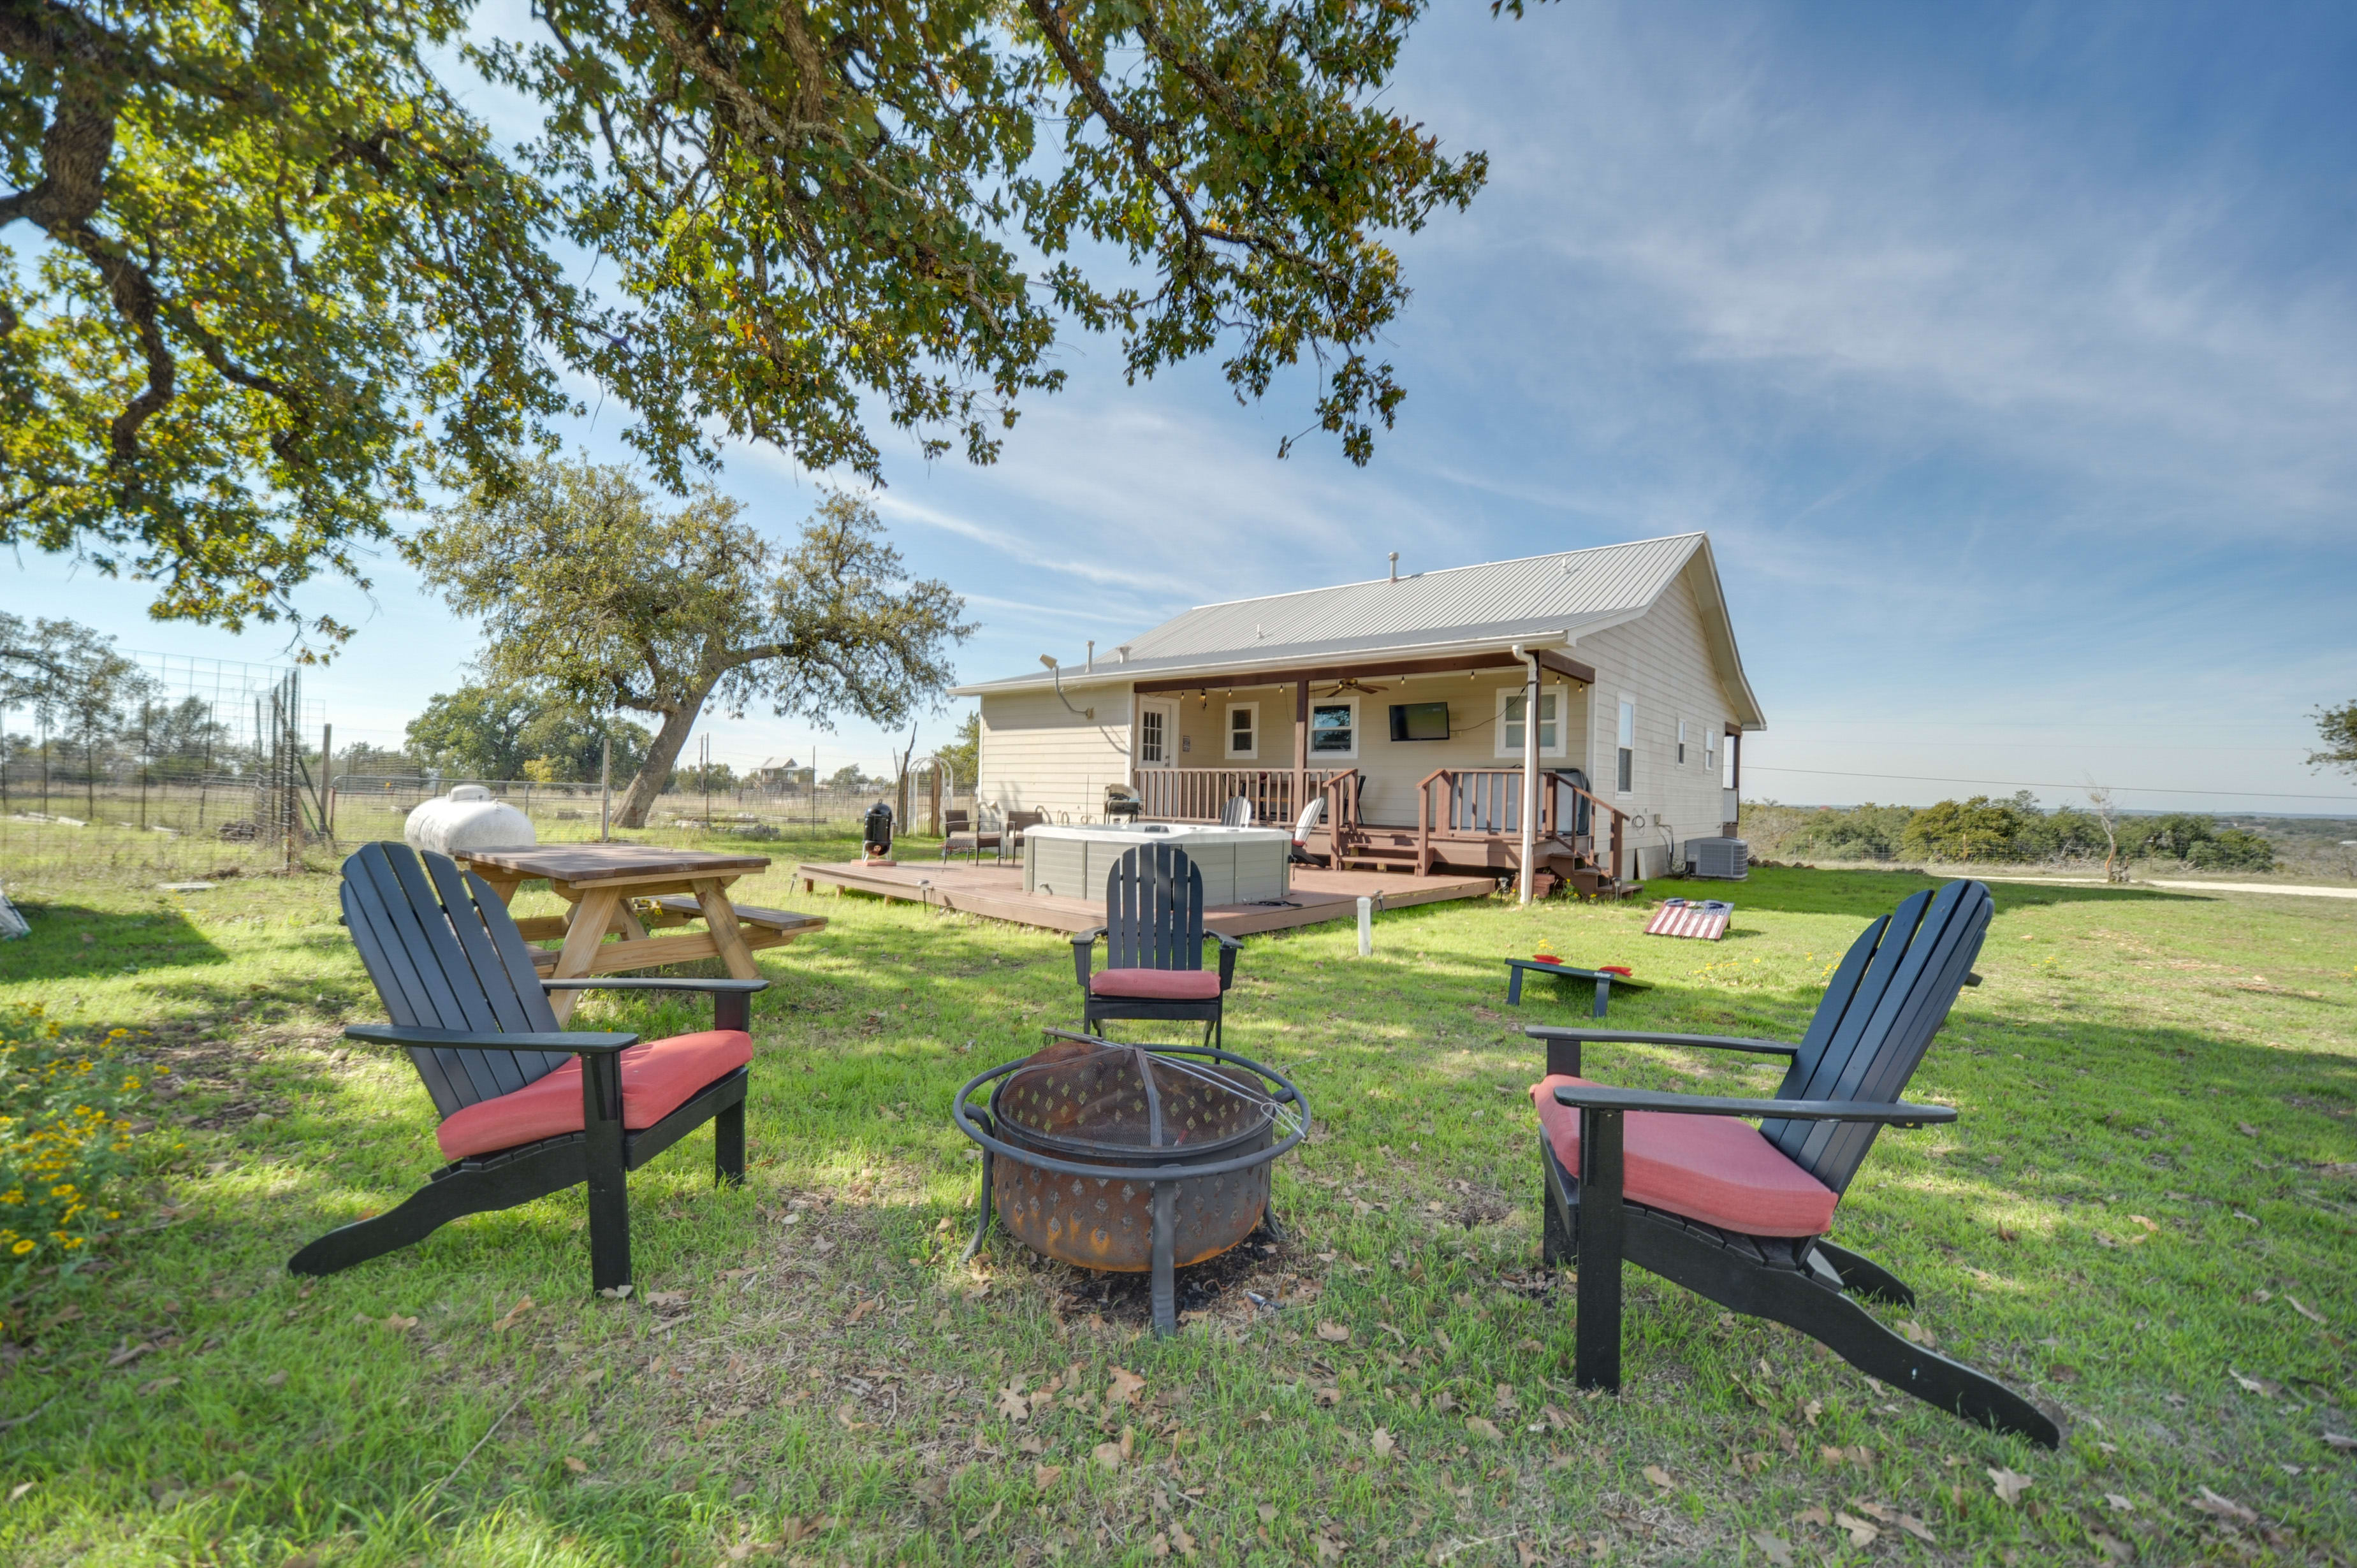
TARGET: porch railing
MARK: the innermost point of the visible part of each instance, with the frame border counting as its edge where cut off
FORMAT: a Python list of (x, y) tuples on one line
[(1197, 794), (1487, 802)]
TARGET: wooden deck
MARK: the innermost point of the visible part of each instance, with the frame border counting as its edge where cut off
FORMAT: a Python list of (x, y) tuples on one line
[(997, 892)]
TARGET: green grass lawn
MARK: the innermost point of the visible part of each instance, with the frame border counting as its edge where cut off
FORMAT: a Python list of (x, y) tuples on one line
[(2144, 1215)]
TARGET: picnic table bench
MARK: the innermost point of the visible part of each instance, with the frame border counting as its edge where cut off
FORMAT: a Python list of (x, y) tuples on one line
[(602, 882), (1603, 978)]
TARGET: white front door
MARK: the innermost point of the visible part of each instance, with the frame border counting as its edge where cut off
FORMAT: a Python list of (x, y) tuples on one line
[(1157, 733)]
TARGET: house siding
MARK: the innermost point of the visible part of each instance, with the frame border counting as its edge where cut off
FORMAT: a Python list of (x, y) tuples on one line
[(1661, 661), (1037, 756)]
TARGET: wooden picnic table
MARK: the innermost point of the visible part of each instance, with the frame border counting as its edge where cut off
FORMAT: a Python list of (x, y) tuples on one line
[(602, 881)]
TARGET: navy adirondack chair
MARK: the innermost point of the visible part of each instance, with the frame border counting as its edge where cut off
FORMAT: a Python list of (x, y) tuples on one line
[(528, 1108), (1673, 1183), (1154, 938)]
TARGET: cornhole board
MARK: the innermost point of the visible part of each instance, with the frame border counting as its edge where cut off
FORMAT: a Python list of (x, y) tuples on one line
[(1705, 919)]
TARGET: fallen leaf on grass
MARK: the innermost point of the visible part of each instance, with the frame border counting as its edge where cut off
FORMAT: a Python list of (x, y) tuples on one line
[(1812, 1515), (2111, 1546), (863, 1309), (1660, 1478), (512, 1315), (1917, 1333), (1182, 1541), (2008, 1485), (2265, 1387), (157, 1385), (1126, 1385), (2247, 1130), (1527, 1555), (1860, 1532), (617, 1293), (129, 1354), (1046, 1475), (1383, 1443), (1482, 1427), (1888, 1515), (2210, 1503), (1448, 1346), (275, 1380), (1813, 1409), (1114, 1456), (2118, 1503), (2305, 1310), (1267, 1512), (17, 1492), (1334, 1333), (844, 1412), (399, 1324), (1329, 1547), (1328, 1394), (2339, 1443), (575, 1465), (1773, 1548), (1011, 1402)]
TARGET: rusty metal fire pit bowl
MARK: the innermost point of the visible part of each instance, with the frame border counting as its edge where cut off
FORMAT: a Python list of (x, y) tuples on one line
[(1130, 1157)]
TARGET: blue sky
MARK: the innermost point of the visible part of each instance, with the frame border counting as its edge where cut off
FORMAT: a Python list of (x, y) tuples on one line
[(2007, 353)]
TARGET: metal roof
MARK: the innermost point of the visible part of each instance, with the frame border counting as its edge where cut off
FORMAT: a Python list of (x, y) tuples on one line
[(1539, 598)]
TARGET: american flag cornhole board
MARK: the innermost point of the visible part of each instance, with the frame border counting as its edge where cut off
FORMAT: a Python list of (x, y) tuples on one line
[(1702, 919)]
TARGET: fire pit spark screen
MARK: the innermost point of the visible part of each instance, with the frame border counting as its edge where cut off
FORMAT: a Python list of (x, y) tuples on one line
[(1130, 1158)]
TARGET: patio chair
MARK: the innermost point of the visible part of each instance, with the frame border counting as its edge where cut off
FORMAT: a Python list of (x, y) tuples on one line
[(527, 1107), (1010, 834), (1674, 1184), (1303, 826), (958, 833), (1237, 812), (1154, 946)]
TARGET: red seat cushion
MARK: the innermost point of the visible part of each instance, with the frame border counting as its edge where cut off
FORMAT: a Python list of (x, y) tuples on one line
[(1716, 1169), (658, 1077), (1159, 984)]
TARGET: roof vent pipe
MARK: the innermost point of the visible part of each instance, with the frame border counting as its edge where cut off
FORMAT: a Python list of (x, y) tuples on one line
[(1092, 665), (1394, 565)]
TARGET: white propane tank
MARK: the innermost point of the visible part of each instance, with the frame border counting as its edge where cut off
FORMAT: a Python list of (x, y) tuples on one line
[(467, 818)]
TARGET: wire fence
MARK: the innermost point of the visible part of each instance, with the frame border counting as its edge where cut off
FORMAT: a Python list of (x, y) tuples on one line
[(355, 808)]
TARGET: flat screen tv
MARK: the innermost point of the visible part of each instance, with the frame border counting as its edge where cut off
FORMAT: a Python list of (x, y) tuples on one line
[(1419, 720)]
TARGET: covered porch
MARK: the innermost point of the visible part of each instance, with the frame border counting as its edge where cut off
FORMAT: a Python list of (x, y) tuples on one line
[(1332, 734)]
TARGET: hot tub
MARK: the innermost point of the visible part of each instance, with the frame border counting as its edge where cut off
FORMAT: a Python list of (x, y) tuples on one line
[(1240, 865)]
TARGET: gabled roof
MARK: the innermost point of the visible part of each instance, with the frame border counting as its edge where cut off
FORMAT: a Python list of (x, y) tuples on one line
[(1542, 600)]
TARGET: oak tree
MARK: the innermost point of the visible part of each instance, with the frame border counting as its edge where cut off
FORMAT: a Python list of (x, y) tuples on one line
[(279, 278), (589, 587)]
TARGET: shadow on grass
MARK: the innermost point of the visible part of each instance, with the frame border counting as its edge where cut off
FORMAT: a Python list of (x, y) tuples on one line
[(71, 941), (1866, 894)]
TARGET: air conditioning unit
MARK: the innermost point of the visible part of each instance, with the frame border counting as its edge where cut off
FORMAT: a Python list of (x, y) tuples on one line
[(1727, 860)]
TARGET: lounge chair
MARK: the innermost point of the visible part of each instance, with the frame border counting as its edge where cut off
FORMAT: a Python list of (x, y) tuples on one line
[(1154, 946), (528, 1108), (1675, 1184)]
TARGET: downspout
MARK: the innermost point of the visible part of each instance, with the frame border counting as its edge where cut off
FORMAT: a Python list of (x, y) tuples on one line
[(1530, 761)]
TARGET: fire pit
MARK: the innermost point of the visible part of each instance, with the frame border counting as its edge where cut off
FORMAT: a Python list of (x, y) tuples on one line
[(1130, 1157)]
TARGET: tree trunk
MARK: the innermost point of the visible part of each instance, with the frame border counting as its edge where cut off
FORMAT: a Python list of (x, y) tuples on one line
[(640, 799)]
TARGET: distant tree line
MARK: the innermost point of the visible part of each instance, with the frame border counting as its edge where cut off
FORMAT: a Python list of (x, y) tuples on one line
[(94, 714), (2016, 830)]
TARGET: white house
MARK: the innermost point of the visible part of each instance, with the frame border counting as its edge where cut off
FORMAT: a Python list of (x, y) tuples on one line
[(1403, 704)]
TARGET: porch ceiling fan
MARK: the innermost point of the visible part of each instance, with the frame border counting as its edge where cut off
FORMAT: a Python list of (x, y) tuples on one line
[(1348, 684)]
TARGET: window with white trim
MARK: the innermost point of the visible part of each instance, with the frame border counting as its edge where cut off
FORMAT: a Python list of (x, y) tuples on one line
[(1625, 773), (1553, 702), (1243, 731), (1334, 728)]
